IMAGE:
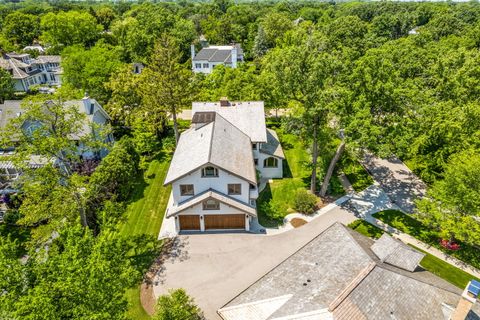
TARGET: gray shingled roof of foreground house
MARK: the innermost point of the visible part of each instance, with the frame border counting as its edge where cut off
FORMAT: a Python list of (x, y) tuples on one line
[(218, 143), (337, 276), (397, 253), (248, 116), (273, 146)]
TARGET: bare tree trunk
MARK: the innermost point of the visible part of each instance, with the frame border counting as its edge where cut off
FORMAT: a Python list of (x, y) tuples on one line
[(331, 167), (83, 216), (313, 180), (175, 126)]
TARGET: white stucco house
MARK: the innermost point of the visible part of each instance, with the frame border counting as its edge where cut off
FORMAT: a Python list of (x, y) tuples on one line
[(210, 56), (215, 167), (27, 71), (95, 119)]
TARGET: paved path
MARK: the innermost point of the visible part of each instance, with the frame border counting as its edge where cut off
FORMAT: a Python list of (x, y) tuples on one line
[(214, 268), (397, 180)]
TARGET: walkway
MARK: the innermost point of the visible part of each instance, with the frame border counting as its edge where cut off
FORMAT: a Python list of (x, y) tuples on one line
[(396, 179)]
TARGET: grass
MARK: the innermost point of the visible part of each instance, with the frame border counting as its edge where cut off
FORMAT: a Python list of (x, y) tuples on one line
[(281, 192), (445, 270), (144, 216), (355, 172), (415, 228), (365, 228)]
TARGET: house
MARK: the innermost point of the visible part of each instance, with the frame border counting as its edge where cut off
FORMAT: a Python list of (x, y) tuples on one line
[(27, 71), (208, 57), (344, 275), (95, 117), (213, 172), (35, 47)]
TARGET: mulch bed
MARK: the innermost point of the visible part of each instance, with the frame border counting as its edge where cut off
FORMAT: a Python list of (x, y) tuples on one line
[(297, 222)]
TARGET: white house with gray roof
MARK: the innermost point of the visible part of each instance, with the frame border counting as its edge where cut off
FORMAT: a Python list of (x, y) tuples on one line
[(216, 164), (27, 71), (208, 57)]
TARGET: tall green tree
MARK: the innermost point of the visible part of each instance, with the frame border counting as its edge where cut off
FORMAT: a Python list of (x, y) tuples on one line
[(21, 28), (51, 133), (453, 203), (166, 83), (6, 85)]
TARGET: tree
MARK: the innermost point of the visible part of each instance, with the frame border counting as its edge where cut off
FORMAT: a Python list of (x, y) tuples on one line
[(68, 28), (274, 25), (453, 204), (51, 133), (6, 85), (177, 306), (125, 97), (105, 16), (21, 28), (303, 74), (89, 70), (260, 46), (78, 276), (166, 83)]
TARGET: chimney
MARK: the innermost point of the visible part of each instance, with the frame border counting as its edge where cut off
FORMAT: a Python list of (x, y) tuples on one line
[(468, 299), (224, 102), (88, 104), (192, 52), (234, 56)]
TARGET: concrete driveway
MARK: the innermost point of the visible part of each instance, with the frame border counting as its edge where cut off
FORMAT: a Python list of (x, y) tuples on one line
[(401, 185), (214, 268)]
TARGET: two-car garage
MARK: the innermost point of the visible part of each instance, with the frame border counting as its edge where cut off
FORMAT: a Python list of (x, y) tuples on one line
[(212, 222)]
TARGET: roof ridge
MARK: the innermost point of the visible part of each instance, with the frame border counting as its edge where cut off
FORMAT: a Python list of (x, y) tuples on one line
[(209, 158)]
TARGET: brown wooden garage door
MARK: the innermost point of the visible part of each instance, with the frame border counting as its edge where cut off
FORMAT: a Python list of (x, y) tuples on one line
[(189, 222), (224, 221)]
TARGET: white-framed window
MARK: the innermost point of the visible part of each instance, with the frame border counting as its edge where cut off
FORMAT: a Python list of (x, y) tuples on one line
[(270, 162), (209, 172), (205, 65), (254, 146), (211, 204), (198, 65), (186, 190), (234, 188)]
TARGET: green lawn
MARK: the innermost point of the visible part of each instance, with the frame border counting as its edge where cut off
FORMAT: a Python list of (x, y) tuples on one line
[(144, 217), (280, 193), (355, 172), (365, 228), (445, 270), (415, 228), (277, 199)]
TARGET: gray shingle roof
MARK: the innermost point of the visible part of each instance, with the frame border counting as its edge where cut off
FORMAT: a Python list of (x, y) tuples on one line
[(217, 53), (338, 271), (212, 194), (218, 143), (248, 116), (273, 146), (397, 253)]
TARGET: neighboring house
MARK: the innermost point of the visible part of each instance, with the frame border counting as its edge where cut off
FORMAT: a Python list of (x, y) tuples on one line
[(344, 275), (27, 71), (35, 47), (213, 172), (95, 117), (137, 67), (208, 57)]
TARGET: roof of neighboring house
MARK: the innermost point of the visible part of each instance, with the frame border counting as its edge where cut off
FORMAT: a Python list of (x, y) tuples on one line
[(11, 109), (337, 276), (273, 146), (212, 194), (51, 59), (217, 53), (211, 144), (15, 66), (248, 116)]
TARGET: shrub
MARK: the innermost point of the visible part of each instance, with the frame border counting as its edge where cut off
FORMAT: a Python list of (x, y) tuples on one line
[(177, 306), (305, 202)]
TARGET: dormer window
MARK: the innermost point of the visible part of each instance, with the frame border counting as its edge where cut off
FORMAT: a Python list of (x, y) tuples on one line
[(209, 172)]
